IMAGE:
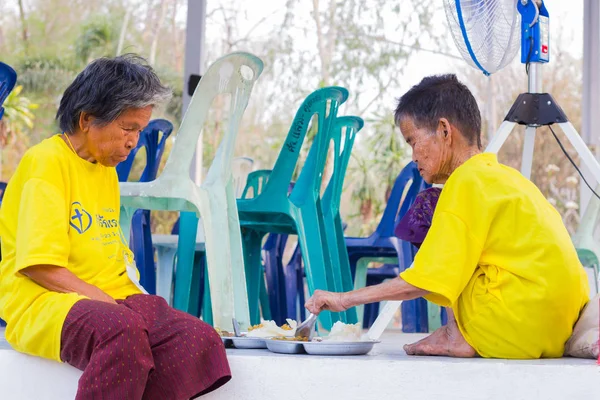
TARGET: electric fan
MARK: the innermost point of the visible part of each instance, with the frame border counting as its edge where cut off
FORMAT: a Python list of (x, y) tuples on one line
[(488, 34)]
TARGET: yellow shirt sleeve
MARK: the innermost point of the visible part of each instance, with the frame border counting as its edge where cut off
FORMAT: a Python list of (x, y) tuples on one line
[(42, 231)]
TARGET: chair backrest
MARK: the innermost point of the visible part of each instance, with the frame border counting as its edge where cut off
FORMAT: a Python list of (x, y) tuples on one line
[(240, 169), (396, 208), (256, 181), (324, 103), (233, 74), (345, 131), (8, 78), (154, 143)]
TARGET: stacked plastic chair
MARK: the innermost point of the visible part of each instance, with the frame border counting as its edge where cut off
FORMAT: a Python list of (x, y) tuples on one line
[(141, 234), (273, 210), (214, 200)]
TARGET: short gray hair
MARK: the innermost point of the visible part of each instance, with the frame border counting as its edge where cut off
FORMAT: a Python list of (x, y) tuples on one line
[(109, 86)]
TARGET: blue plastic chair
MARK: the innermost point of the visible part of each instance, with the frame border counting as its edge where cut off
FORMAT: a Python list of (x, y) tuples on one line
[(385, 247), (141, 234), (8, 78)]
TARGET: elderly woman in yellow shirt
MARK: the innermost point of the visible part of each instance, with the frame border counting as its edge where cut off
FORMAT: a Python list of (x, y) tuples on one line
[(69, 289), (497, 253)]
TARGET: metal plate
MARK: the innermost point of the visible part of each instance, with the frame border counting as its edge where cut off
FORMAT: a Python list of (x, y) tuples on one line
[(285, 346), (248, 343), (330, 348)]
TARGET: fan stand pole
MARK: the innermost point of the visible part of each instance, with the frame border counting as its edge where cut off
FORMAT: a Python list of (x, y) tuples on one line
[(534, 109)]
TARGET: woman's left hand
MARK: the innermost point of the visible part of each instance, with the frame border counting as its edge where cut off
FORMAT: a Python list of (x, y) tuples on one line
[(322, 300)]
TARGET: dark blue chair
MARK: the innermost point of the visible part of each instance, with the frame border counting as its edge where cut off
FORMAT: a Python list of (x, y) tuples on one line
[(141, 234), (383, 243), (8, 78)]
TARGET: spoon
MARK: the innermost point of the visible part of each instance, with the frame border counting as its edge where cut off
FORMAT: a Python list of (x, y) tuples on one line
[(236, 328), (307, 328)]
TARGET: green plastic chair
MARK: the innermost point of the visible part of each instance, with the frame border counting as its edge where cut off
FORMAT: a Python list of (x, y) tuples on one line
[(214, 199), (344, 133), (274, 211)]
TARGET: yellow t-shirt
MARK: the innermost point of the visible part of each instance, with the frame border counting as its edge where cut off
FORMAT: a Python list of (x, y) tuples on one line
[(499, 254), (58, 209)]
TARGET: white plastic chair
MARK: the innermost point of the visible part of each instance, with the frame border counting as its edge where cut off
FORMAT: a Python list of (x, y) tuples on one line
[(214, 200), (241, 167)]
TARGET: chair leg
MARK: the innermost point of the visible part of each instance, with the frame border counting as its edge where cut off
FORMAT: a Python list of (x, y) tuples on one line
[(265, 307), (414, 316), (236, 254), (164, 278), (360, 281), (148, 264), (293, 282), (434, 317), (254, 272), (316, 258), (344, 267), (186, 245), (206, 313), (197, 289), (225, 262)]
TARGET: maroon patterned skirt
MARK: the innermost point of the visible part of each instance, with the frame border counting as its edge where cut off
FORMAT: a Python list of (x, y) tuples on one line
[(141, 348)]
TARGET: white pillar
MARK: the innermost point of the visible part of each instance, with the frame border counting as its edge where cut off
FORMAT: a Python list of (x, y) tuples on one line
[(591, 88), (195, 33)]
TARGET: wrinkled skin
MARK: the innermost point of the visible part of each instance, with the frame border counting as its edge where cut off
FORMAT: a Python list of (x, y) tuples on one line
[(109, 144)]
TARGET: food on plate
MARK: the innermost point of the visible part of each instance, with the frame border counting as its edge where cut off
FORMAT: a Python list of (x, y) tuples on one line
[(270, 329), (291, 338), (224, 333), (341, 332)]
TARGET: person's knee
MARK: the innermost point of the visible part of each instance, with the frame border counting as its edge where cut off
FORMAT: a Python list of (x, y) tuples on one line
[(129, 332)]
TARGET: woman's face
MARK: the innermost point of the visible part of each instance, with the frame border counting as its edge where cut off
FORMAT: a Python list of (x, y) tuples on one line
[(111, 144), (430, 150)]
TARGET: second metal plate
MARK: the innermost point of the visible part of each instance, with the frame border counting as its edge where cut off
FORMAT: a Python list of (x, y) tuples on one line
[(285, 346), (329, 348), (248, 343)]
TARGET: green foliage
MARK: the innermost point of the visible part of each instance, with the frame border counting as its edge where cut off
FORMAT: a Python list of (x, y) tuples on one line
[(18, 115), (98, 38), (49, 75)]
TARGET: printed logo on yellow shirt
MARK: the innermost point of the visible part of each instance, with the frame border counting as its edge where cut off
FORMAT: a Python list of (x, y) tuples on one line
[(80, 220)]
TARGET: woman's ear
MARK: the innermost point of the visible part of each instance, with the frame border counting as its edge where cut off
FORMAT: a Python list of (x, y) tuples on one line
[(85, 120), (445, 129)]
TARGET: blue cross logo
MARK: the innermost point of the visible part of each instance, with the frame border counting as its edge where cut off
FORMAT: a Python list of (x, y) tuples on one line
[(80, 220)]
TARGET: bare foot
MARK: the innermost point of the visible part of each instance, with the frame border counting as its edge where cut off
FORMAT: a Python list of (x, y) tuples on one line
[(445, 341)]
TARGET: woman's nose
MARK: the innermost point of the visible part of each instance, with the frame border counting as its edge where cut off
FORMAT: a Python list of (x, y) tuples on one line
[(132, 142)]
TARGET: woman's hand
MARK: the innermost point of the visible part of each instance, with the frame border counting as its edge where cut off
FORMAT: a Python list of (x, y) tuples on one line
[(322, 300), (394, 289)]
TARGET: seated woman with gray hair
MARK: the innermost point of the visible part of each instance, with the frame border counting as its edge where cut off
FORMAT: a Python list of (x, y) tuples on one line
[(69, 289), (497, 253)]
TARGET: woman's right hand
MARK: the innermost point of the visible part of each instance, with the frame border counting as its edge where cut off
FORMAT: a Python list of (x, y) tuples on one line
[(322, 300)]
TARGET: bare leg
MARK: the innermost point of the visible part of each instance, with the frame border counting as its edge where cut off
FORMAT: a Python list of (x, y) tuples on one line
[(445, 341)]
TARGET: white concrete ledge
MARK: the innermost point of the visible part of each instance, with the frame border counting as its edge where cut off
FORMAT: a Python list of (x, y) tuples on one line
[(386, 373)]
